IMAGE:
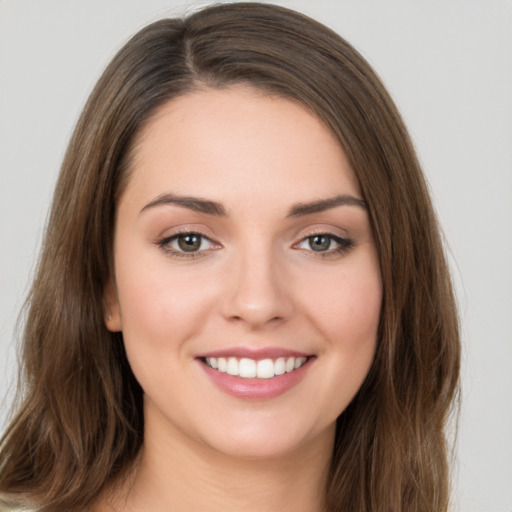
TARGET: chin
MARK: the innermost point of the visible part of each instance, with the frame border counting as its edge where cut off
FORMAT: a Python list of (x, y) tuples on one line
[(266, 441)]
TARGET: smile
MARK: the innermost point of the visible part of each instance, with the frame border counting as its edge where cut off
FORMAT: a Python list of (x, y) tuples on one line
[(255, 369), (251, 374)]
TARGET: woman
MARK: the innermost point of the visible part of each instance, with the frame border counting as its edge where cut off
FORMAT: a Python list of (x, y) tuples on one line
[(242, 299)]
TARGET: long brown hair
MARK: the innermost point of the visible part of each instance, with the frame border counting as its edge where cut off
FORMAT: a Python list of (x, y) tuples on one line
[(79, 423)]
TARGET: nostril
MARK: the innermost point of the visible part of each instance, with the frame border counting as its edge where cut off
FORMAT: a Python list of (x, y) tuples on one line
[(252, 319)]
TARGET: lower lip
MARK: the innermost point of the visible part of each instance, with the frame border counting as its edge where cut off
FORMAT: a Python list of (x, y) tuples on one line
[(256, 389)]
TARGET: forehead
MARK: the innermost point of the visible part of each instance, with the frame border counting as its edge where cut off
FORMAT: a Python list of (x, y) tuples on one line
[(239, 141)]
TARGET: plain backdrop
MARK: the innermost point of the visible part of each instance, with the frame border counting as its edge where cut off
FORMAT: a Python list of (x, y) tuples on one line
[(448, 65)]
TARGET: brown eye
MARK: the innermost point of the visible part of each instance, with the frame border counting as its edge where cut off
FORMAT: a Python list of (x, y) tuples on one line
[(189, 242)]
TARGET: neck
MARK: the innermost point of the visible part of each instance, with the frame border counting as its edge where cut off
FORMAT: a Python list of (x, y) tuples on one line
[(175, 473)]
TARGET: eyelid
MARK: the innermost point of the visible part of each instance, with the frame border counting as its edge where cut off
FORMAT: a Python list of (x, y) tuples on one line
[(169, 230)]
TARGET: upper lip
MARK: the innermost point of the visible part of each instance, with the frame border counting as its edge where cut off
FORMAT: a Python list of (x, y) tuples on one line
[(254, 353)]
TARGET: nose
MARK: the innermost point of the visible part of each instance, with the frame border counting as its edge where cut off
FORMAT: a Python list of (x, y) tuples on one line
[(257, 293)]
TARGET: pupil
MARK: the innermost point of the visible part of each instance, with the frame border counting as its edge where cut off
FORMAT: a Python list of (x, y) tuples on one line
[(189, 243), (319, 242)]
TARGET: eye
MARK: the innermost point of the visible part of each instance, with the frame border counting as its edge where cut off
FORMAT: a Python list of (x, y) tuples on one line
[(187, 244), (319, 243), (190, 242), (325, 244)]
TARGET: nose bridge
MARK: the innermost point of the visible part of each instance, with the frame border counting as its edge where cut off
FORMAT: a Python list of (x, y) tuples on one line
[(257, 292)]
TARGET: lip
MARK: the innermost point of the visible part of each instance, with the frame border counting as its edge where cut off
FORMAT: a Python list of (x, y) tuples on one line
[(256, 389), (254, 353)]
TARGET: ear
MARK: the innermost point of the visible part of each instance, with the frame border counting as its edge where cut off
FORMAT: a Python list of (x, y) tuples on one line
[(112, 311)]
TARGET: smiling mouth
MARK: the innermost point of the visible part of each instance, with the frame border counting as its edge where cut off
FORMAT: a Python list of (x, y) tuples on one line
[(248, 368)]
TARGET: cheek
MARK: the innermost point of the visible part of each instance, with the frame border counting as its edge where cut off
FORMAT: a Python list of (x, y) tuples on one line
[(161, 311), (345, 305), (347, 315), (159, 306), (350, 328)]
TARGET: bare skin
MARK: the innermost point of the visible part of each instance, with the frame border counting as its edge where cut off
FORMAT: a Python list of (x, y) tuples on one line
[(242, 230), (179, 477)]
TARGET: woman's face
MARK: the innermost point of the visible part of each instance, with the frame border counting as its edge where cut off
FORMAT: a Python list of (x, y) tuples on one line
[(247, 282)]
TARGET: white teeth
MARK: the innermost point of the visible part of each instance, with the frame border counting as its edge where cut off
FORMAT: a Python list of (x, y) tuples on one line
[(290, 364), (247, 368), (265, 369), (232, 368), (250, 368), (299, 362), (279, 366), (222, 364)]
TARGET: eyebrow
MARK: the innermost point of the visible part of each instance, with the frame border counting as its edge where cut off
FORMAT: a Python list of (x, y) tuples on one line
[(321, 205), (196, 204), (209, 207)]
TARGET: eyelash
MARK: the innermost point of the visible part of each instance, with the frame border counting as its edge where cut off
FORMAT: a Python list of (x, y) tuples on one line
[(164, 244), (344, 245)]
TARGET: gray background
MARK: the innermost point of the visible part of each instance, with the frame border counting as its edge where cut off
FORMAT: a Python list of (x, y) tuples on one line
[(448, 64)]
